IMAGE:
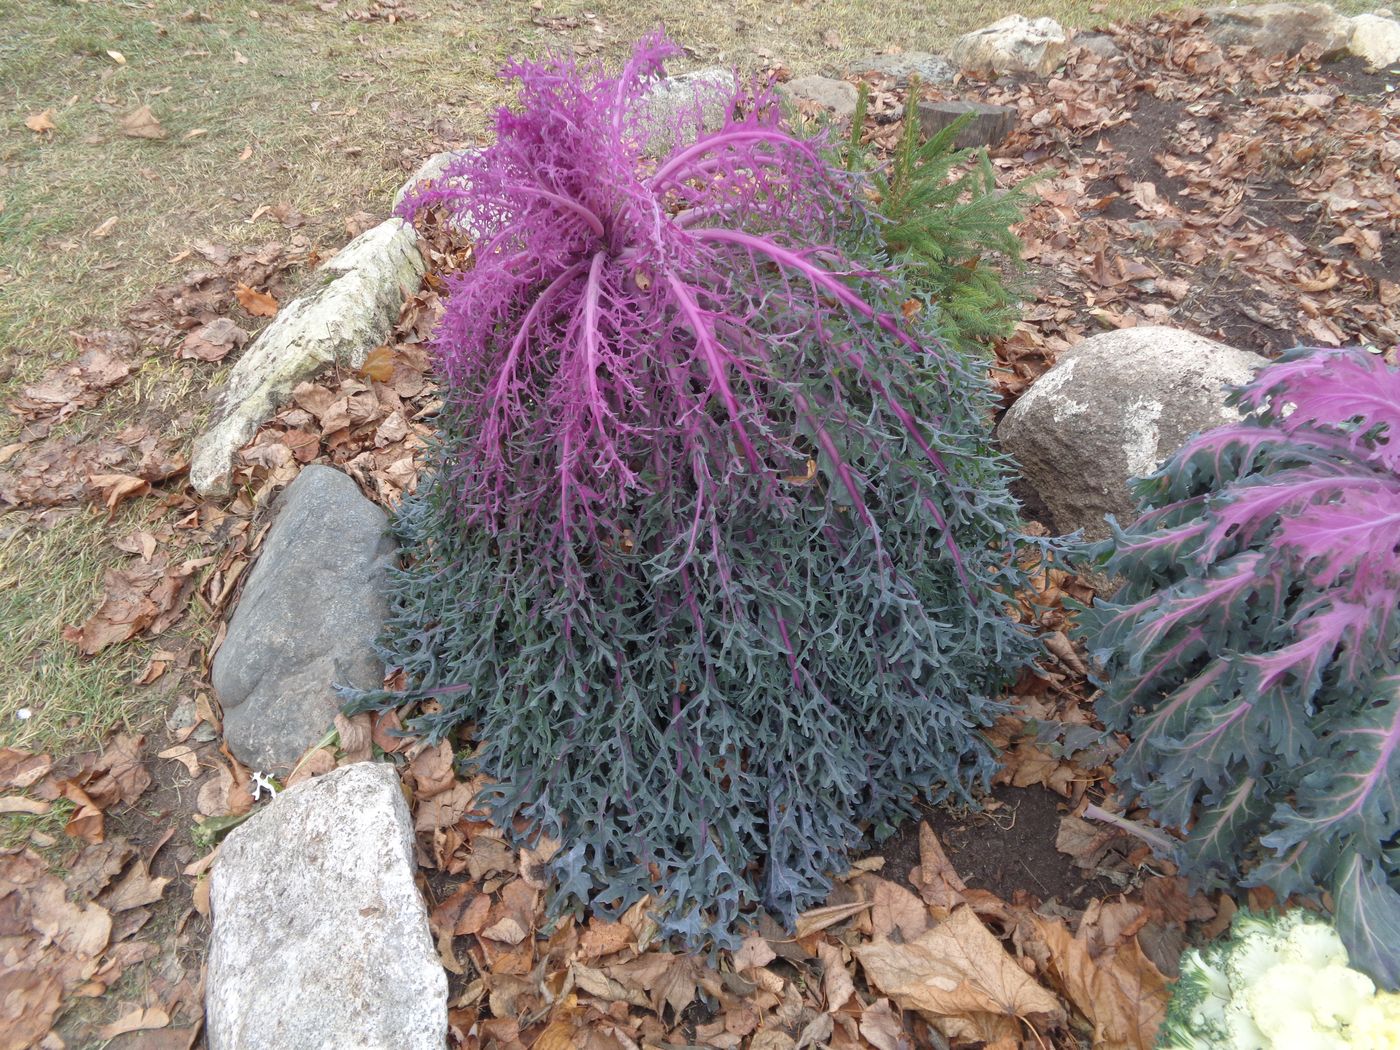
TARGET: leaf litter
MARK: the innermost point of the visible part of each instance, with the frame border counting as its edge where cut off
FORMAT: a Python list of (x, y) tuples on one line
[(1243, 219)]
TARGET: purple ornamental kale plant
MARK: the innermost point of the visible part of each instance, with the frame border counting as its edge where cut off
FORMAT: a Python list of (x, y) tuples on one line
[(1252, 655), (715, 556)]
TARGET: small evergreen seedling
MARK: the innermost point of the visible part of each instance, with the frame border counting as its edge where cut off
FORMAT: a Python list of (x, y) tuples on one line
[(947, 225), (1252, 655), (716, 555)]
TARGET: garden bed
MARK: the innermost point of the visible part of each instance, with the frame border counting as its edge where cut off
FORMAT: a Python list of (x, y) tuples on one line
[(1243, 246)]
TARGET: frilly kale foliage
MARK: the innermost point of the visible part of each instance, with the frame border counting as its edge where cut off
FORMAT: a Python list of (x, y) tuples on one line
[(1252, 655), (715, 557)]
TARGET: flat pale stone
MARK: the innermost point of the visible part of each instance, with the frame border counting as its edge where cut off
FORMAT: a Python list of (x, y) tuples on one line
[(928, 67), (1115, 407), (835, 95), (311, 610), (320, 937), (1015, 44), (681, 108), (1375, 40), (429, 171), (1280, 29), (352, 311)]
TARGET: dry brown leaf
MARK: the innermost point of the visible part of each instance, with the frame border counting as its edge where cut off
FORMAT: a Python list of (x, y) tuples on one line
[(378, 364), (957, 968), (444, 810), (185, 755), (893, 908), (21, 804), (97, 866), (316, 762), (837, 985), (259, 304), (755, 951), (880, 1026), (604, 938), (938, 881), (22, 769), (112, 489), (1121, 993), (142, 123), (134, 889), (818, 919), (41, 122), (431, 772), (213, 341), (355, 738), (137, 1020)]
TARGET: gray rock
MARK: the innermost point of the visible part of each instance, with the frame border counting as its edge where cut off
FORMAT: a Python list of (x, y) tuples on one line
[(1100, 44), (928, 67), (990, 125), (1375, 39), (320, 938), (835, 95), (1016, 44), (348, 314), (682, 107), (313, 605), (1280, 29), (1113, 408)]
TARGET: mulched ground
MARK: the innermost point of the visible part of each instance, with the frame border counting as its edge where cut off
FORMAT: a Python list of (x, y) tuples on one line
[(1248, 199)]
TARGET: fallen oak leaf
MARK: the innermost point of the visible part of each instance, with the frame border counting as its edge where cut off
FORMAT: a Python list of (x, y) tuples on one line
[(142, 123), (259, 304)]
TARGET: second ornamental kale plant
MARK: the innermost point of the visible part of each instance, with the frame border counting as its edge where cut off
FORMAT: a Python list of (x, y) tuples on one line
[(716, 554), (1253, 657)]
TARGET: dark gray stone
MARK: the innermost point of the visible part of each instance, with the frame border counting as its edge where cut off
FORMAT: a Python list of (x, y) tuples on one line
[(990, 125), (312, 607), (320, 937), (1115, 407), (928, 67)]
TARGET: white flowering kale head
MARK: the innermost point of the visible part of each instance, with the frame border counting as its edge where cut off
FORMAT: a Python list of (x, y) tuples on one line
[(716, 554), (1277, 982), (1252, 655)]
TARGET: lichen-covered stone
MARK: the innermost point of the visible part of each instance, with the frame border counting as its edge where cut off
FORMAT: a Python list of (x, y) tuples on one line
[(350, 312), (1115, 407), (320, 937), (1280, 29), (1016, 45), (835, 95)]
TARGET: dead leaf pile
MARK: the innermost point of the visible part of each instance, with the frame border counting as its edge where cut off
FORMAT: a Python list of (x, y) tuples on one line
[(63, 939), (1250, 199), (105, 359)]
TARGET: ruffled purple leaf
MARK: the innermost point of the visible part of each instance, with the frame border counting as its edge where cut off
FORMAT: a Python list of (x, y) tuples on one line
[(1251, 656)]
